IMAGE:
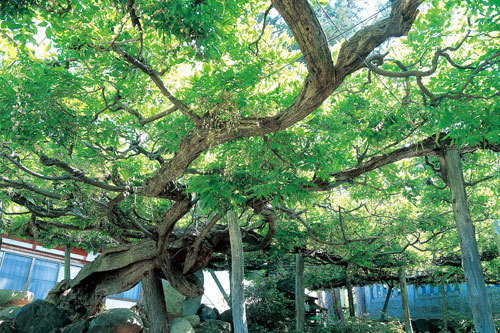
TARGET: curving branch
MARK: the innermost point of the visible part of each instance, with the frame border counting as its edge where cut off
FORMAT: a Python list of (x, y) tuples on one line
[(157, 116), (323, 79), (155, 77), (78, 174), (269, 217), (192, 255), (256, 42), (297, 216), (8, 183), (17, 162), (426, 147), (66, 226), (47, 212), (374, 62)]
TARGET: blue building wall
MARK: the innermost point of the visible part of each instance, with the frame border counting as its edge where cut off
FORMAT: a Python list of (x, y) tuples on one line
[(425, 301)]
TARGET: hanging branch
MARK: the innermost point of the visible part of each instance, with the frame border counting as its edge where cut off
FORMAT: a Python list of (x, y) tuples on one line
[(256, 42)]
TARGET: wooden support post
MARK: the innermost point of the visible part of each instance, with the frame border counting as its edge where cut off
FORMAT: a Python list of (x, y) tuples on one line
[(237, 272), (496, 232), (67, 262), (404, 300), (1, 223), (383, 314), (350, 296), (299, 293), (360, 301), (154, 303), (336, 302), (221, 289), (471, 262), (444, 305)]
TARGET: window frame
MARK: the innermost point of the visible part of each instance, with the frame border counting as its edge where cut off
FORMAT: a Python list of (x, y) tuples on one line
[(60, 266)]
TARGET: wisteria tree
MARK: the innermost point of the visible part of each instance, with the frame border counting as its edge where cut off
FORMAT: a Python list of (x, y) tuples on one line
[(132, 127)]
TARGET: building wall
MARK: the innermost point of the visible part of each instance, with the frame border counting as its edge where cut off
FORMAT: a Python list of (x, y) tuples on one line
[(425, 301), (29, 266)]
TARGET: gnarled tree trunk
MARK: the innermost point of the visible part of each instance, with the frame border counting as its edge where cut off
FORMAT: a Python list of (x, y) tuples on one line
[(112, 272), (122, 267)]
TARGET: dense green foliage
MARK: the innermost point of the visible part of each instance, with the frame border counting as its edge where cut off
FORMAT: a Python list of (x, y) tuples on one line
[(112, 112), (270, 302), (358, 325)]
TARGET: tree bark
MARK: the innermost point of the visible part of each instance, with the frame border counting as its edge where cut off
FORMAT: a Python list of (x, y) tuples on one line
[(237, 271), (67, 262), (112, 272), (404, 300), (322, 80), (120, 268), (299, 293), (444, 305), (471, 263), (154, 303), (383, 314), (350, 296)]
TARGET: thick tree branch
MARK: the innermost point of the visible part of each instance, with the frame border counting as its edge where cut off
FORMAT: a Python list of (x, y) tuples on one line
[(46, 212), (321, 81), (195, 249)]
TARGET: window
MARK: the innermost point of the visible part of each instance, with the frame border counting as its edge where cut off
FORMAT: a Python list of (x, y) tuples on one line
[(14, 272), (131, 294), (43, 278), (25, 273), (18, 272)]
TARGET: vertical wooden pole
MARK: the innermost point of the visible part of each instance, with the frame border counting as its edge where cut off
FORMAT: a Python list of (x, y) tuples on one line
[(337, 306), (221, 289), (350, 296), (67, 262), (471, 262), (299, 293), (383, 314), (154, 303), (404, 300), (444, 305), (237, 272)]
